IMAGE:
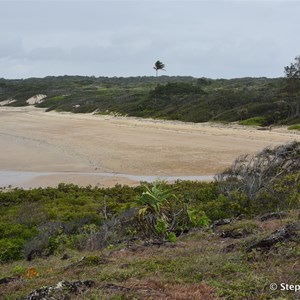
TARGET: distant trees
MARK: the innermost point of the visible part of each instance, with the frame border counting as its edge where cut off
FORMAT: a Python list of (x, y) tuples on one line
[(178, 88), (292, 73)]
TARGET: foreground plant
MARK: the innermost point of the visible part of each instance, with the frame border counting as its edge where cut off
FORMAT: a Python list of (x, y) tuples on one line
[(163, 216)]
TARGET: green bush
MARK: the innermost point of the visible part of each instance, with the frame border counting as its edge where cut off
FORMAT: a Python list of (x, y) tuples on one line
[(16, 231), (294, 127), (11, 249), (283, 193), (19, 271), (220, 208), (255, 121)]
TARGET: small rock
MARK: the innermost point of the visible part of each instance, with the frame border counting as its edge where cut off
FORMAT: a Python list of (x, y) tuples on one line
[(235, 234), (279, 235), (59, 291), (241, 217), (111, 286), (33, 254), (273, 215), (229, 248), (221, 222), (6, 280), (66, 256)]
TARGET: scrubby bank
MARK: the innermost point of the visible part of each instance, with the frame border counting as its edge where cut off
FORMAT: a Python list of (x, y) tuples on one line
[(41, 222), (251, 101), (233, 238)]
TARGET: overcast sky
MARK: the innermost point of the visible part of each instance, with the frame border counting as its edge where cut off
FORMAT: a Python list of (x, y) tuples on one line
[(215, 39)]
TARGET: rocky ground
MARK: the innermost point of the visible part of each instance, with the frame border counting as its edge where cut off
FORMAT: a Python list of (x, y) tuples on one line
[(234, 259)]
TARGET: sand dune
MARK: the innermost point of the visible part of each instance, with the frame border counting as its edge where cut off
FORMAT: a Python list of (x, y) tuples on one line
[(36, 99), (6, 102), (36, 141)]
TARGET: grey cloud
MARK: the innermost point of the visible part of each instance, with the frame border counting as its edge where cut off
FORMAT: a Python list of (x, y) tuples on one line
[(10, 48), (199, 38)]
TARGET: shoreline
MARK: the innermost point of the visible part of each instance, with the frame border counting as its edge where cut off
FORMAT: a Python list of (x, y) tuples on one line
[(29, 180)]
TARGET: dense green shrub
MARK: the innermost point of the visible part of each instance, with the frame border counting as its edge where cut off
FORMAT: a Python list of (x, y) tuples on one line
[(16, 231), (294, 127), (255, 121), (11, 249)]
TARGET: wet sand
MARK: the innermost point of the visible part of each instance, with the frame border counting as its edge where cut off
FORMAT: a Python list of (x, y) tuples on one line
[(79, 148)]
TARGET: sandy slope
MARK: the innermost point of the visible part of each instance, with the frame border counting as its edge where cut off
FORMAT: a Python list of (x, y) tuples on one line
[(32, 140)]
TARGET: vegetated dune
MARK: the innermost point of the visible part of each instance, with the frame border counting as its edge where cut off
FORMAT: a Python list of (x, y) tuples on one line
[(35, 141)]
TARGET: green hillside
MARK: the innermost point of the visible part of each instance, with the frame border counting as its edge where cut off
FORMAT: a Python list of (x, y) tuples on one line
[(268, 101)]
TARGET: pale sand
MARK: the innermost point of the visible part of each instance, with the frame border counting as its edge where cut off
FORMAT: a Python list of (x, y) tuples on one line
[(33, 140), (36, 99)]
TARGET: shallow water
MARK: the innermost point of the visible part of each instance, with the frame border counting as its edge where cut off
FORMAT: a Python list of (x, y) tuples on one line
[(19, 178)]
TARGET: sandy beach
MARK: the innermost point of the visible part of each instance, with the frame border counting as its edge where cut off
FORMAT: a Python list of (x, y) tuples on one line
[(52, 147)]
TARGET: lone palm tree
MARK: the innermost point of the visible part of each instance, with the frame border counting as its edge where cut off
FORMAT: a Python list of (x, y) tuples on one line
[(158, 66)]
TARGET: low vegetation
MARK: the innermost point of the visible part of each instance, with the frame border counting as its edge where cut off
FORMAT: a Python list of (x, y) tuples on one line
[(255, 121), (294, 127), (227, 239), (250, 101)]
